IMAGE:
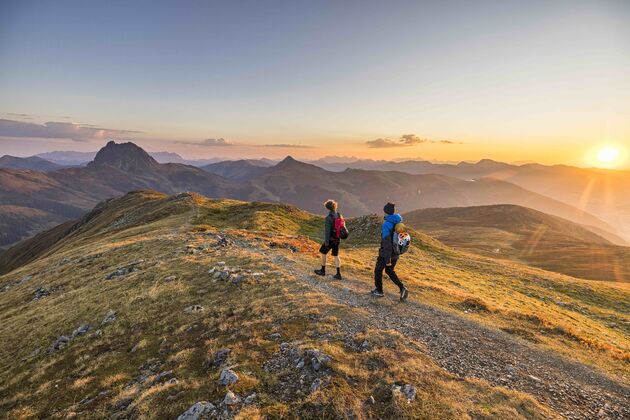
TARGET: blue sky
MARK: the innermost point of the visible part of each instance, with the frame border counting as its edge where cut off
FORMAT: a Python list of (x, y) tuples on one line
[(538, 80)]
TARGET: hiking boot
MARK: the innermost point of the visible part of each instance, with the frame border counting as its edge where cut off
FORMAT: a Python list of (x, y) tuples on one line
[(337, 277), (320, 272), (404, 293), (376, 293)]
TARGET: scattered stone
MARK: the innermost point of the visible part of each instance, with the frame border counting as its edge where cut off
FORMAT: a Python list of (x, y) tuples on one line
[(42, 292), (218, 359), (110, 316), (238, 279), (318, 359), (371, 400), (275, 336), (250, 398), (125, 270), (221, 263), (365, 346), (170, 278), (228, 377), (409, 391), (61, 342), (163, 377), (81, 330), (194, 309), (123, 404), (258, 274), (231, 398), (222, 241), (300, 364), (197, 411), (317, 383), (534, 378)]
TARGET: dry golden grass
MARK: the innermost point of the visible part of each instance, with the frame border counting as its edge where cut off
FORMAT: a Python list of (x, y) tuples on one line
[(151, 323)]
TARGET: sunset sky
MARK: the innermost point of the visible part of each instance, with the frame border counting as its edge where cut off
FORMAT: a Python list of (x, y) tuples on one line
[(545, 81)]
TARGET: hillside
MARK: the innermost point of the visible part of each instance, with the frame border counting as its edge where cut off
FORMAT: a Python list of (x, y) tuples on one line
[(32, 163), (238, 169), (528, 236), (151, 304)]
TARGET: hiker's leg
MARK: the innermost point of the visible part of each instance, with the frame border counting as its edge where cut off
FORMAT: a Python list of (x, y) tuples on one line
[(378, 274), (323, 260), (391, 272), (337, 261)]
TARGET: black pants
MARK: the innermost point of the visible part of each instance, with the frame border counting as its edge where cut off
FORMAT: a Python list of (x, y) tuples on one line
[(390, 270)]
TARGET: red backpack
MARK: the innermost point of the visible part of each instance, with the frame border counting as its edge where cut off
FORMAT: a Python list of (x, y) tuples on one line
[(339, 226)]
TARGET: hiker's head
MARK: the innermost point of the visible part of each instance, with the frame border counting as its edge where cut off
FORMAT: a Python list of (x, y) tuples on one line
[(390, 208), (331, 205)]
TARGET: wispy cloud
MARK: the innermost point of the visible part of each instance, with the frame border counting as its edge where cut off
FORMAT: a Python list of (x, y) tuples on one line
[(406, 140), (59, 130), (220, 142), (289, 146)]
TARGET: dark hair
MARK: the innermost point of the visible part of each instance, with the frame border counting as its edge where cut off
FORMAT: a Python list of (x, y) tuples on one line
[(331, 205)]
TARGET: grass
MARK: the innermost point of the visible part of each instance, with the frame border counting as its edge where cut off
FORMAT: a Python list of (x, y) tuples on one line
[(152, 325)]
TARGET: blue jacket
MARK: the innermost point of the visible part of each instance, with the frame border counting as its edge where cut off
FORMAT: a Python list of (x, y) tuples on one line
[(391, 220), (387, 251)]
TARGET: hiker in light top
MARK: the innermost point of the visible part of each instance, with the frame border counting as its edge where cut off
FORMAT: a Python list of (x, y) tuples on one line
[(388, 253), (331, 238)]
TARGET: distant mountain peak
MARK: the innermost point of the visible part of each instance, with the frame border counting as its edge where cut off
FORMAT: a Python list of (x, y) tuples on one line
[(128, 157)]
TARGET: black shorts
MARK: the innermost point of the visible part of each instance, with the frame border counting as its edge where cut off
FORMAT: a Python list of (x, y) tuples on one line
[(334, 245)]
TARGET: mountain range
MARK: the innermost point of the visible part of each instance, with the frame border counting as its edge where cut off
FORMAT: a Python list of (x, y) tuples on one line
[(33, 200)]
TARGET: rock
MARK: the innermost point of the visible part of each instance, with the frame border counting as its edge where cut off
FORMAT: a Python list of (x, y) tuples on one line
[(250, 398), (365, 346), (193, 309), (125, 270), (61, 342), (123, 404), (317, 383), (81, 330), (221, 263), (224, 274), (228, 377), (318, 359), (170, 278), (534, 378), (371, 400), (258, 274), (409, 391), (275, 336), (197, 411), (231, 398), (109, 317), (163, 377), (300, 364), (42, 292), (218, 359), (238, 279)]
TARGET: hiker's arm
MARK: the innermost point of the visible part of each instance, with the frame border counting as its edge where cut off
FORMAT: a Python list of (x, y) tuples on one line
[(387, 249), (327, 231)]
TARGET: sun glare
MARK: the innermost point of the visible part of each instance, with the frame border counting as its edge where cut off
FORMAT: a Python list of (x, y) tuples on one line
[(608, 157)]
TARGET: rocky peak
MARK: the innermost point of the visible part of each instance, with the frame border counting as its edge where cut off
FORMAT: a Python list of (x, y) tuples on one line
[(125, 156)]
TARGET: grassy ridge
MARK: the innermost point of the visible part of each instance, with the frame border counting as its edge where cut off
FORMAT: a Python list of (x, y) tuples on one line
[(96, 375)]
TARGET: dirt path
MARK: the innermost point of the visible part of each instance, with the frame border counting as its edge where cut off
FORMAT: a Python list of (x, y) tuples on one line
[(470, 349)]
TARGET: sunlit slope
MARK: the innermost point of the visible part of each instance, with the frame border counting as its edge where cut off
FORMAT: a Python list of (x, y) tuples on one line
[(146, 324), (528, 236), (146, 257)]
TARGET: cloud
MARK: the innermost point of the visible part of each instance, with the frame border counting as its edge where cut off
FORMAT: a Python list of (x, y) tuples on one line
[(220, 142), (58, 130), (291, 146), (406, 140)]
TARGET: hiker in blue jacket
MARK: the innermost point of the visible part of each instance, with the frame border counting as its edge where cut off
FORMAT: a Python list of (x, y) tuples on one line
[(388, 254)]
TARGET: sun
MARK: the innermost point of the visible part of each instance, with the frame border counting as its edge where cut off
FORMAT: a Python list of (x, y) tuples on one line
[(608, 156)]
